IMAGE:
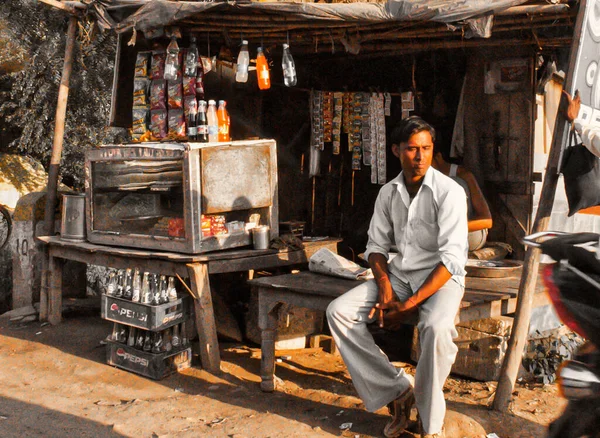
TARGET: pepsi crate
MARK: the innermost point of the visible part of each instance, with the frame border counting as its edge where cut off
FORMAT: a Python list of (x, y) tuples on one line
[(156, 366), (145, 316)]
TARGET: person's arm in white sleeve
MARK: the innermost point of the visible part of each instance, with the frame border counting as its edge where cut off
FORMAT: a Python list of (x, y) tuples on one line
[(590, 135)]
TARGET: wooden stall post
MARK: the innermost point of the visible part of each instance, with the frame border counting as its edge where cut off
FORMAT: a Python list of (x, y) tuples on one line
[(57, 144), (518, 336)]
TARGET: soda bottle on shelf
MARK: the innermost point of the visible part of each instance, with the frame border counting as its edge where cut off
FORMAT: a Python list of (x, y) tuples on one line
[(191, 59), (212, 122), (128, 286), (243, 61), (224, 121), (164, 293), (176, 340), (201, 123), (146, 294), (192, 123), (139, 339), (288, 67), (157, 343), (131, 337), (172, 61), (112, 284), (136, 286), (147, 342), (262, 70), (172, 292), (120, 284)]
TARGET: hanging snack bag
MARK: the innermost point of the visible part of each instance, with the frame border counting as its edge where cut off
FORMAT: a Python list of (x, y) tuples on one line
[(158, 124), (158, 94), (157, 67), (200, 82), (189, 86), (142, 62), (140, 119), (176, 124), (175, 93), (140, 92)]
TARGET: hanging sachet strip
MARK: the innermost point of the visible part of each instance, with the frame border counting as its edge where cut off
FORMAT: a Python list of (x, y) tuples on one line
[(338, 107), (373, 139), (327, 116), (381, 140), (316, 115), (347, 113)]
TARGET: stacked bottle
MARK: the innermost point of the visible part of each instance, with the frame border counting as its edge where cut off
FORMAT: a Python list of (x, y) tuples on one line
[(148, 288), (164, 341)]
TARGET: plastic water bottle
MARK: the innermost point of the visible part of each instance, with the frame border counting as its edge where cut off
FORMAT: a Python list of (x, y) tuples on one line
[(262, 70), (288, 67), (191, 59), (213, 122), (172, 61), (242, 63)]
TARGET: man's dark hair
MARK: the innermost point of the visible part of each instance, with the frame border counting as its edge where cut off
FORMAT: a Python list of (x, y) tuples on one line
[(408, 127)]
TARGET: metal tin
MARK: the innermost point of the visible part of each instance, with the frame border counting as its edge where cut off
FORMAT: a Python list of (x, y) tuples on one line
[(260, 237), (72, 225)]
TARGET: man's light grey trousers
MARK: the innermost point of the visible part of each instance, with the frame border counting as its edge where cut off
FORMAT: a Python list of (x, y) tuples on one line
[(376, 380)]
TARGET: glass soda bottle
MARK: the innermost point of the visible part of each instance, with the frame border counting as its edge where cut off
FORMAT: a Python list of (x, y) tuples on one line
[(224, 121), (128, 287), (202, 123), (172, 61), (212, 122), (111, 288), (262, 70), (155, 290), (288, 67), (164, 293), (120, 284), (191, 59), (137, 286), (175, 339), (243, 61), (172, 291), (146, 295)]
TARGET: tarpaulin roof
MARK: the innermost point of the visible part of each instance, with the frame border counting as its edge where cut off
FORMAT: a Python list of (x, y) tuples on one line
[(158, 13)]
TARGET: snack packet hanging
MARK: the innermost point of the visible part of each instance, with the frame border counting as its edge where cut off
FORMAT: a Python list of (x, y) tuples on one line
[(158, 94), (176, 125), (142, 62), (140, 119), (140, 91), (175, 93), (189, 86), (158, 124), (157, 67)]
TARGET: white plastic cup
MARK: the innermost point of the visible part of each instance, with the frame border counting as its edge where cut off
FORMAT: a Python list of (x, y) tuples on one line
[(260, 237)]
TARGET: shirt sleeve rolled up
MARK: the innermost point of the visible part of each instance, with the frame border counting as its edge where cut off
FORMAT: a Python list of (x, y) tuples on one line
[(453, 236)]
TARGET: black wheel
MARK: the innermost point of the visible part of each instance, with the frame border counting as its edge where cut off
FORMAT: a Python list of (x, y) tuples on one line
[(5, 226)]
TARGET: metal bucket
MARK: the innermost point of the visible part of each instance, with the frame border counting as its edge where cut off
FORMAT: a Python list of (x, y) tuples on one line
[(72, 227)]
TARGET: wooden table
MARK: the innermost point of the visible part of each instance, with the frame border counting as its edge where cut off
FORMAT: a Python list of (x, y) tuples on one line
[(484, 298), (196, 267)]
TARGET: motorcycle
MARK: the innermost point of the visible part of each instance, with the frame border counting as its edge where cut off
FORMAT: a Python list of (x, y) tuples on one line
[(573, 285)]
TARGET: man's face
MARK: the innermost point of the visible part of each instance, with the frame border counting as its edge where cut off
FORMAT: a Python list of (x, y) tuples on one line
[(415, 155)]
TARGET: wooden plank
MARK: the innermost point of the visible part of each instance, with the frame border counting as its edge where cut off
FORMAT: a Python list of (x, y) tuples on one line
[(308, 283), (205, 318)]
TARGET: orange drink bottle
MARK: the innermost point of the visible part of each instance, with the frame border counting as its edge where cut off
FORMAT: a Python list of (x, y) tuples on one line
[(262, 70), (223, 119)]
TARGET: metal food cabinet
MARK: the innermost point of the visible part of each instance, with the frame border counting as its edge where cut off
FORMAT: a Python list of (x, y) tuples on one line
[(182, 197)]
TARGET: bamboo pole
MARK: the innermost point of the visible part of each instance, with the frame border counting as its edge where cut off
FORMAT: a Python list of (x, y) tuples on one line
[(59, 128), (518, 336)]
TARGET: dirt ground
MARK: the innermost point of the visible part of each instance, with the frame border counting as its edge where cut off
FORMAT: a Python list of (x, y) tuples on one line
[(55, 383)]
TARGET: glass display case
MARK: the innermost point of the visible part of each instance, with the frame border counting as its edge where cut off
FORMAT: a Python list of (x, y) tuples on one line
[(183, 197)]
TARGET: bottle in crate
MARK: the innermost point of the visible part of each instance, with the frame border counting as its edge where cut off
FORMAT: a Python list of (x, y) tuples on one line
[(171, 291), (128, 285), (139, 339), (146, 297), (137, 286), (147, 342), (164, 293), (131, 337), (111, 288), (120, 284)]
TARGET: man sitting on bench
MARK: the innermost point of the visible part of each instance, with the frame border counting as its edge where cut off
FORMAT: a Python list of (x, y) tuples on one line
[(424, 214)]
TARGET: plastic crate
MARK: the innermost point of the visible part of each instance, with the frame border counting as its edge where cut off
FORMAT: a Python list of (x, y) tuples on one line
[(152, 365), (145, 316)]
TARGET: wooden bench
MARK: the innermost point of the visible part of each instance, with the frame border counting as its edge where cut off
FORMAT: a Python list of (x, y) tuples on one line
[(484, 298)]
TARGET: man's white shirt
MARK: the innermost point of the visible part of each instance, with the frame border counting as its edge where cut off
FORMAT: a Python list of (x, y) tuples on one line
[(429, 229), (590, 136)]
